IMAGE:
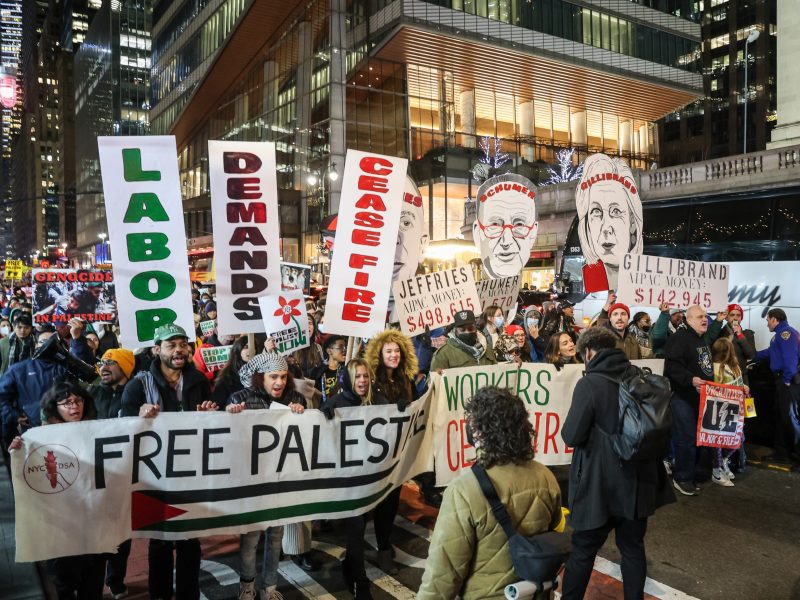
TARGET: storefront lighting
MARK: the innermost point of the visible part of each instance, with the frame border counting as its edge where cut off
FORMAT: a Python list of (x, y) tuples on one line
[(450, 250)]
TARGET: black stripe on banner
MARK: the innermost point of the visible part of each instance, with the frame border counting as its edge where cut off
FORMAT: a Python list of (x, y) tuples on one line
[(263, 489)]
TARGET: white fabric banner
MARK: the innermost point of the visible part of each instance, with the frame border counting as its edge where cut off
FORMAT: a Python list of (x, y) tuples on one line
[(144, 210), (244, 210), (366, 240), (190, 474), (646, 280), (286, 320), (502, 292), (434, 298)]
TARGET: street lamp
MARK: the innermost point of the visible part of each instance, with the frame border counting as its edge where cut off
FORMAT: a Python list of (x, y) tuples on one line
[(751, 37)]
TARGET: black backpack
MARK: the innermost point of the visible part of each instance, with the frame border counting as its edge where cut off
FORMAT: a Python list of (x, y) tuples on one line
[(645, 416)]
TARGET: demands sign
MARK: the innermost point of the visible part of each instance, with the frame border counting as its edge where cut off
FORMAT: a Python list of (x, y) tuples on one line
[(652, 280), (433, 299), (63, 294), (145, 222), (721, 419)]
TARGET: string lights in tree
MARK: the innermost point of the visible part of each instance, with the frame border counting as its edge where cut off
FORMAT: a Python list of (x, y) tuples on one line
[(566, 171), (492, 160)]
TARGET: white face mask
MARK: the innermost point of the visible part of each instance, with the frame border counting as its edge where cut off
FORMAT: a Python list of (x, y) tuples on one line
[(4, 331)]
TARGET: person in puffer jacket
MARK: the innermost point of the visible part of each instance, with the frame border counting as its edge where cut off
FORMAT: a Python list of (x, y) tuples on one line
[(469, 555)]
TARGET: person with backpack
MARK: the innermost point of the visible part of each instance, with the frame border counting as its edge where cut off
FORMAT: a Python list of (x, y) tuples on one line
[(607, 491), (469, 554)]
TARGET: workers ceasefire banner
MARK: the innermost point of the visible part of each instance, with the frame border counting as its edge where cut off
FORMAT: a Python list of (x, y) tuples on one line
[(720, 421), (546, 392), (651, 280), (183, 475), (366, 241), (63, 294), (144, 210), (434, 298), (244, 210)]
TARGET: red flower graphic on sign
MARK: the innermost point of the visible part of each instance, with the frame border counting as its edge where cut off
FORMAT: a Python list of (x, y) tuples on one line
[(287, 309)]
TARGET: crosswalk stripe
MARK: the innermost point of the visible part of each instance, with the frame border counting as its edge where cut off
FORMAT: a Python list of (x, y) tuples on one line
[(303, 582), (654, 588)]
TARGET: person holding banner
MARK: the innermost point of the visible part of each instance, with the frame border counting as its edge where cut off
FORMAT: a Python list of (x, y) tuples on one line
[(465, 347), (171, 385), (728, 372), (469, 555), (266, 381), (391, 357)]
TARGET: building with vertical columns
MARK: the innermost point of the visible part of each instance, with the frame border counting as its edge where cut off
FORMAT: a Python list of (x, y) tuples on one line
[(444, 83)]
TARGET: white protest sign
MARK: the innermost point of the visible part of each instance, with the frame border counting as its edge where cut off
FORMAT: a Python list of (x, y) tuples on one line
[(285, 319), (244, 209), (144, 210), (207, 327), (433, 299), (366, 240), (215, 357), (646, 280), (502, 292)]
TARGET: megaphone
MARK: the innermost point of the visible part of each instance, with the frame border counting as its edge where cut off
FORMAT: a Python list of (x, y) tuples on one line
[(54, 351)]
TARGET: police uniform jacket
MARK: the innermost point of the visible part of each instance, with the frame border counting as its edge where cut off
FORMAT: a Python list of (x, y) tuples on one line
[(783, 353)]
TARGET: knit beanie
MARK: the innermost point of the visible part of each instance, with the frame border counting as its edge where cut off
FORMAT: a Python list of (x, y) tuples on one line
[(124, 358), (619, 305)]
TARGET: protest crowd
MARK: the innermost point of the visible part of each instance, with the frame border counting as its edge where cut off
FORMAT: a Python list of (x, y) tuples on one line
[(72, 369)]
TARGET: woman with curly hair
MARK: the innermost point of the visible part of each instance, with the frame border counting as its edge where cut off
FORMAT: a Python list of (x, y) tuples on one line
[(391, 358), (560, 351), (83, 574), (468, 554)]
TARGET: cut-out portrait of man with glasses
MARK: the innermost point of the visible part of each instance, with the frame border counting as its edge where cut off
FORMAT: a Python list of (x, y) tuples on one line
[(505, 228), (412, 237)]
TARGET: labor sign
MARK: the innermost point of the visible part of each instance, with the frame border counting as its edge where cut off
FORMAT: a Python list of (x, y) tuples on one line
[(144, 210), (720, 421)]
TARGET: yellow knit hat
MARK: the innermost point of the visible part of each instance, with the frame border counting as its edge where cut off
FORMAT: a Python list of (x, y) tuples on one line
[(124, 358)]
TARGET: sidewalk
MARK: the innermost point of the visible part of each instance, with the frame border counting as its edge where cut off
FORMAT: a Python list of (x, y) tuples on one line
[(18, 581)]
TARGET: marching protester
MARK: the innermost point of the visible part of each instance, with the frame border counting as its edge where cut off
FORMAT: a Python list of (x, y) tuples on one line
[(335, 348), (526, 351), (79, 576), (507, 349), (615, 317), (22, 388), (308, 362), (357, 390), (727, 371), (19, 344), (561, 350), (492, 324), (468, 555), (391, 358), (265, 380), (605, 492), (108, 339), (669, 319), (228, 381), (688, 365), (744, 340), (532, 319), (465, 347), (116, 369), (83, 341), (783, 355), (640, 328), (560, 319), (171, 385)]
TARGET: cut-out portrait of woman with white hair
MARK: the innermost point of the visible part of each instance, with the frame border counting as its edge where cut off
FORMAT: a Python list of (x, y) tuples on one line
[(609, 219), (505, 227)]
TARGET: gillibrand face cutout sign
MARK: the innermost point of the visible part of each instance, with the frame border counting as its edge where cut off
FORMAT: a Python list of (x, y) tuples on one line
[(609, 219), (505, 228)]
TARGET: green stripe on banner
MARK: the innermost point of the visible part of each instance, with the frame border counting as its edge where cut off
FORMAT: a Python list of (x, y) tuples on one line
[(267, 514)]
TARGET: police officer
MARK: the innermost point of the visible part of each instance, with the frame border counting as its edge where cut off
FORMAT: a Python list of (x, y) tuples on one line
[(783, 354)]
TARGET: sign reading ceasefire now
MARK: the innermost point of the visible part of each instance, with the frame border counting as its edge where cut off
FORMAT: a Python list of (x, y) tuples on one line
[(145, 219)]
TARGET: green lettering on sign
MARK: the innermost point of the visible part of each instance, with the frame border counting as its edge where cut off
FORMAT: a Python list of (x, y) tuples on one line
[(147, 321), (147, 246), (132, 166), (165, 285), (145, 204)]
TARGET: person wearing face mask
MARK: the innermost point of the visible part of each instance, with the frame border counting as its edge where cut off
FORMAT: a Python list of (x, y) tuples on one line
[(171, 385), (493, 324), (640, 328), (5, 328), (465, 347), (537, 342), (19, 344)]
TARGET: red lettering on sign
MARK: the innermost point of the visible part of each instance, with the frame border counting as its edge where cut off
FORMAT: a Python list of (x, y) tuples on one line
[(355, 312), (366, 238), (372, 164), (359, 261)]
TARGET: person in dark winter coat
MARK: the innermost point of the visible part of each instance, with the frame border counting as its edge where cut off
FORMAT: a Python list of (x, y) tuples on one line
[(744, 340), (606, 493), (688, 365), (228, 381), (172, 384)]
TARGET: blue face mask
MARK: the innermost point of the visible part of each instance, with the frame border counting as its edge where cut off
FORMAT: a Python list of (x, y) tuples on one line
[(498, 322), (532, 322)]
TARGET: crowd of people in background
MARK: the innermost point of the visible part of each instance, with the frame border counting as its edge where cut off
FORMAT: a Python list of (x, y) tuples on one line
[(392, 369)]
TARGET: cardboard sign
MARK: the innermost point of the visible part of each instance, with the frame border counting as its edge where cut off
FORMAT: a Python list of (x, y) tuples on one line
[(215, 358), (721, 418), (295, 277), (502, 292), (15, 269), (63, 294), (366, 240), (144, 210), (433, 299), (650, 280), (286, 320), (609, 219), (244, 210), (207, 327)]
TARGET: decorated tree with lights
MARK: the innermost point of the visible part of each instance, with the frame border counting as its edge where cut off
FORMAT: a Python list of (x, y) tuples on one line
[(492, 160), (566, 171)]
